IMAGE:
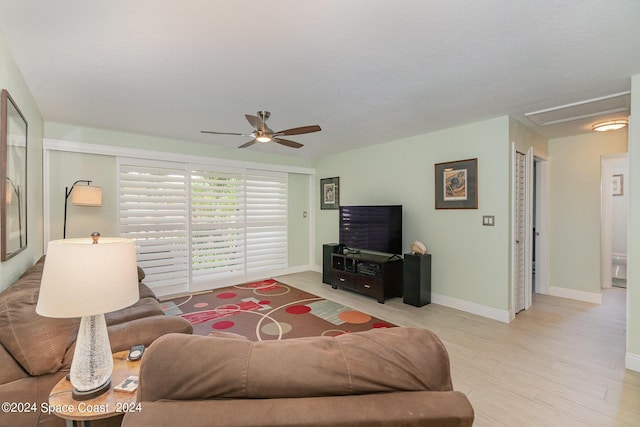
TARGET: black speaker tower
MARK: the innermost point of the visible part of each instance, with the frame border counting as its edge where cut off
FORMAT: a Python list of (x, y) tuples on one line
[(417, 279)]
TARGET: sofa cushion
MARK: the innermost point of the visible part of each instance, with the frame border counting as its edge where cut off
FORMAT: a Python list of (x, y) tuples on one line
[(37, 343), (145, 292), (380, 360), (145, 307)]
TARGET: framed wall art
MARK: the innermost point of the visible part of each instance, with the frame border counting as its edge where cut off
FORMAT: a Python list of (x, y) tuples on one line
[(456, 184), (13, 179), (330, 193)]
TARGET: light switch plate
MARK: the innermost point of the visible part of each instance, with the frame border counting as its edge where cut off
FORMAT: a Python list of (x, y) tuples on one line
[(488, 220)]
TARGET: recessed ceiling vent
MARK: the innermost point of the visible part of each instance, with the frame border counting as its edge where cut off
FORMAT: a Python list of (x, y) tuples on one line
[(616, 104)]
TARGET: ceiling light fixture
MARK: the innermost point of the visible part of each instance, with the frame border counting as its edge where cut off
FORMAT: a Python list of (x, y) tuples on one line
[(610, 125), (263, 138)]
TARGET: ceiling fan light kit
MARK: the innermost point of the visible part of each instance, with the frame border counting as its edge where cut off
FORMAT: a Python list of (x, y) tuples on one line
[(262, 133), (610, 125)]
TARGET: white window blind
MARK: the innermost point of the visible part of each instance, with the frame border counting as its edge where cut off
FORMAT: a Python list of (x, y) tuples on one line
[(153, 210), (202, 227), (217, 225), (266, 223)]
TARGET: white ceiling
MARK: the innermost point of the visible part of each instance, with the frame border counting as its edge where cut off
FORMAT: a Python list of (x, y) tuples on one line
[(366, 71)]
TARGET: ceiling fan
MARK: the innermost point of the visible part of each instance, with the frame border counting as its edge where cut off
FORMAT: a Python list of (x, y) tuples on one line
[(262, 133)]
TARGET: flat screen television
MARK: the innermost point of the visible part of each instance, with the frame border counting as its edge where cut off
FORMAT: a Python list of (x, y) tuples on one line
[(372, 228)]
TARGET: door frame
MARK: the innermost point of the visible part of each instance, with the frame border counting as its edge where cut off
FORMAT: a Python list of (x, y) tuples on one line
[(606, 217), (542, 223), (527, 241), (542, 194)]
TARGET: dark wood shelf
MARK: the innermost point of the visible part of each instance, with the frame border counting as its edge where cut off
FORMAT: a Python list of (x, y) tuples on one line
[(373, 275)]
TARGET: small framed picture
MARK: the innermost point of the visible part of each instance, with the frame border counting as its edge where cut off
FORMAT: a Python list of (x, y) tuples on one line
[(456, 184), (330, 193), (617, 184)]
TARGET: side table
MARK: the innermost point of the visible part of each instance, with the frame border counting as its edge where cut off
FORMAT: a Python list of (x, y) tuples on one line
[(112, 403)]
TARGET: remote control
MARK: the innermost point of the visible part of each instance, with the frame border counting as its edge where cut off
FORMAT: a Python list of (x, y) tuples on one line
[(136, 352)]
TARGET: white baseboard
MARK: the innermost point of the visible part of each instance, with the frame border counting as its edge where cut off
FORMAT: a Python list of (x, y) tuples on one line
[(574, 294), (632, 362), (471, 307), (299, 269)]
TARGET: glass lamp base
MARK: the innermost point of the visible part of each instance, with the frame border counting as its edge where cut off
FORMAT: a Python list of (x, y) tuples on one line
[(92, 362), (90, 394)]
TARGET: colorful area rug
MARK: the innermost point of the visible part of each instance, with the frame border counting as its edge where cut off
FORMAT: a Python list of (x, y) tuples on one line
[(269, 310)]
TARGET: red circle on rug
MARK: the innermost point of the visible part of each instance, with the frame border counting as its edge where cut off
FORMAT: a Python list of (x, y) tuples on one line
[(227, 295), (298, 309), (225, 324), (264, 302), (381, 325)]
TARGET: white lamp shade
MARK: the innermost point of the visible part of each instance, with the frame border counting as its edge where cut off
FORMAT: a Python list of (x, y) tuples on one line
[(84, 279), (86, 195)]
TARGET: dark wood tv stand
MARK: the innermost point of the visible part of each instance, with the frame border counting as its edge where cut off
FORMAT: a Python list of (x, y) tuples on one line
[(377, 276)]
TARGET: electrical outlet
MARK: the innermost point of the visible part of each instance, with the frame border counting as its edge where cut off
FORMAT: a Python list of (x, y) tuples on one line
[(488, 220)]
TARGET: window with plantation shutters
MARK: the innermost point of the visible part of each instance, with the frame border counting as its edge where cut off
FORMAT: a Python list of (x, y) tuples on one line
[(202, 227), (217, 225), (266, 225), (153, 210)]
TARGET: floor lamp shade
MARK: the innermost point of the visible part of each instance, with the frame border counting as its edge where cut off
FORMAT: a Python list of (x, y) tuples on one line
[(84, 278), (86, 195)]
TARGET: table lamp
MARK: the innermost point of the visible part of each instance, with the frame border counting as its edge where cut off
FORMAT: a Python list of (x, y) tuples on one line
[(86, 278)]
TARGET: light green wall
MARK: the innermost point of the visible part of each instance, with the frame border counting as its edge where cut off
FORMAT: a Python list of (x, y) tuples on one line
[(469, 261), (575, 208), (11, 79), (66, 168), (525, 137), (299, 224), (633, 255)]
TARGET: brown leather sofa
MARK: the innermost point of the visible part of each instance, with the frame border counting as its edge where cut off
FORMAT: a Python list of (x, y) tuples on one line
[(36, 351), (383, 377)]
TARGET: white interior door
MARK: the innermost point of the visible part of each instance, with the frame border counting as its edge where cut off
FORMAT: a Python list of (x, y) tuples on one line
[(519, 231), (522, 232)]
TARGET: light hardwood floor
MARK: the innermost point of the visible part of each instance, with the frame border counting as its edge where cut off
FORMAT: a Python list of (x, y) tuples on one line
[(560, 363)]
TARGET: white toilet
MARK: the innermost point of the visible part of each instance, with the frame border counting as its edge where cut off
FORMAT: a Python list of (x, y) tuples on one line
[(619, 265)]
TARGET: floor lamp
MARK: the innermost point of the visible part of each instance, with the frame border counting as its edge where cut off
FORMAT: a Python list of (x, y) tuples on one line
[(84, 195), (84, 278)]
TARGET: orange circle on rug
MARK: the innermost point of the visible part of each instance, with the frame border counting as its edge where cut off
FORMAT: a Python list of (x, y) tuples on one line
[(200, 305), (356, 317)]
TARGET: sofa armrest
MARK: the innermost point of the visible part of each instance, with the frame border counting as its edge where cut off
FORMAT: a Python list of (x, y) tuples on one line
[(379, 360), (145, 330), (399, 409)]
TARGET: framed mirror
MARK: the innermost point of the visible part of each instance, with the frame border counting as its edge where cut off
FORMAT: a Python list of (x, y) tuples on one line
[(13, 179)]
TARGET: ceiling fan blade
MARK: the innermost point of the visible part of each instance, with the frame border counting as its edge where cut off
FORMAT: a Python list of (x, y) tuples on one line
[(299, 131), (223, 133), (254, 121), (248, 144), (287, 142)]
